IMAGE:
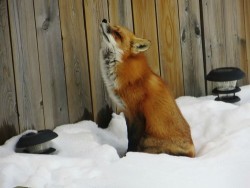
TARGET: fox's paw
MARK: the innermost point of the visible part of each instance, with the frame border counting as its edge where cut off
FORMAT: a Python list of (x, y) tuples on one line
[(156, 146)]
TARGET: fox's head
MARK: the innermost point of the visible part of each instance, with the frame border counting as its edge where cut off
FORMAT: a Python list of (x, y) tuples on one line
[(118, 42)]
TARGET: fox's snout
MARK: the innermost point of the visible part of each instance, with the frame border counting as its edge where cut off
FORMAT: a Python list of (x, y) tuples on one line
[(105, 25), (104, 21), (105, 30)]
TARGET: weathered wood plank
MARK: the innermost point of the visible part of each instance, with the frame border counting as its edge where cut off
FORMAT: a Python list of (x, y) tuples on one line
[(76, 60), (8, 107), (26, 64), (145, 27), (51, 63), (191, 44), (95, 11), (120, 12), (214, 36), (169, 44), (246, 9), (235, 46), (230, 24), (241, 39)]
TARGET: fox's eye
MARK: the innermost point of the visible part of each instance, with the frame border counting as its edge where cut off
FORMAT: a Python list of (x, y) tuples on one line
[(117, 34)]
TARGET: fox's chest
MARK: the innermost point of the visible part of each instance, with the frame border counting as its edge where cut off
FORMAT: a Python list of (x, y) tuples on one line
[(109, 74), (108, 70)]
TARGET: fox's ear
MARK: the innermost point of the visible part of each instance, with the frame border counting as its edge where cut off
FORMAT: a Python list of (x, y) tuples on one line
[(140, 45)]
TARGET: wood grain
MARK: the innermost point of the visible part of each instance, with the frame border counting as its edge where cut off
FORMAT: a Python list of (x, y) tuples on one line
[(8, 107), (169, 45), (145, 27), (120, 12), (241, 39), (214, 33), (235, 46), (246, 11), (26, 64), (191, 44), (51, 63), (230, 24), (76, 60), (95, 11), (214, 36)]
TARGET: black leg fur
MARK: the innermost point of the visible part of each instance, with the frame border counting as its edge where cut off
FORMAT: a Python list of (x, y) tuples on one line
[(136, 129)]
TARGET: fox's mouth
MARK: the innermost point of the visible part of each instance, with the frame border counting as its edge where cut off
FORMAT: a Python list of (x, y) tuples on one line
[(105, 29)]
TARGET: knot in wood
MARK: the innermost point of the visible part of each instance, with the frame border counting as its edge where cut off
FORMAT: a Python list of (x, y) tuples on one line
[(183, 36), (45, 25), (197, 30)]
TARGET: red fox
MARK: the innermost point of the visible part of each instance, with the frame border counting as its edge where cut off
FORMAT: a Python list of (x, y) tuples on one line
[(156, 124)]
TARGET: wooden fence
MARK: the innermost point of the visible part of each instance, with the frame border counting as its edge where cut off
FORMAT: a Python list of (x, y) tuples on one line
[(49, 67)]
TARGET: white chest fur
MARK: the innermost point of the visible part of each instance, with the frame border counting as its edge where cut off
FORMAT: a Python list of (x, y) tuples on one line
[(108, 64)]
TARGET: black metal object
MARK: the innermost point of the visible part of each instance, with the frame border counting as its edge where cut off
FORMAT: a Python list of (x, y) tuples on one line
[(225, 74), (226, 79), (37, 143)]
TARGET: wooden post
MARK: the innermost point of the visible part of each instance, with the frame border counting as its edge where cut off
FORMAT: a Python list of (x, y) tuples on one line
[(26, 64), (145, 27), (247, 26), (51, 63), (8, 107), (76, 60), (191, 44), (120, 12), (169, 45)]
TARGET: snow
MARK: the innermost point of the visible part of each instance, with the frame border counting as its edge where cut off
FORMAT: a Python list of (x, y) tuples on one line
[(90, 157)]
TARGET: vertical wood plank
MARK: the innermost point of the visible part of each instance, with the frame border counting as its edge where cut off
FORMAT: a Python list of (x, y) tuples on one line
[(145, 27), (8, 112), (246, 9), (95, 11), (169, 44), (230, 24), (241, 39), (76, 60), (234, 35), (120, 12), (191, 44), (214, 36), (26, 64), (51, 63)]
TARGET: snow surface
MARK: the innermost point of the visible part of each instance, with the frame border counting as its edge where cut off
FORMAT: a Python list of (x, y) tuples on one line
[(89, 157)]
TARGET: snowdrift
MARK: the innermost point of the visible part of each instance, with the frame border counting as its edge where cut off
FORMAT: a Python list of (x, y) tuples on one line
[(89, 157)]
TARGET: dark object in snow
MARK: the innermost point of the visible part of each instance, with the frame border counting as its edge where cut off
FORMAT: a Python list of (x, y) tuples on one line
[(225, 74), (37, 143), (226, 81)]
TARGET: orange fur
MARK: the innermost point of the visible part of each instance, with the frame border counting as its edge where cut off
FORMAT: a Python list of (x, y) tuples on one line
[(149, 104)]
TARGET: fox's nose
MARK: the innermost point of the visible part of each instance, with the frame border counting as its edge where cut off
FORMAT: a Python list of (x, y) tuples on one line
[(104, 21)]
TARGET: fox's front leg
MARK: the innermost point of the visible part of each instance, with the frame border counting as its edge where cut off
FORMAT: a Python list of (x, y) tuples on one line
[(136, 128)]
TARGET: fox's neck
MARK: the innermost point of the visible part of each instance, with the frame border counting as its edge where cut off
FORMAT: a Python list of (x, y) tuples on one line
[(132, 69)]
